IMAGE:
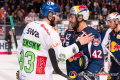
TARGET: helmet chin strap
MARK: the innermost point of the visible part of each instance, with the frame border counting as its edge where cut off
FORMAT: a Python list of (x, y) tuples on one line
[(51, 21), (116, 24), (78, 23)]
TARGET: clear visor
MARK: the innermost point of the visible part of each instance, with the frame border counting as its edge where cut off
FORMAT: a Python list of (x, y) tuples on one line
[(57, 15), (69, 16)]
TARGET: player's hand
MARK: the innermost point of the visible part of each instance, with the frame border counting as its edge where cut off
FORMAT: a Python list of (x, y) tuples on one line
[(86, 39)]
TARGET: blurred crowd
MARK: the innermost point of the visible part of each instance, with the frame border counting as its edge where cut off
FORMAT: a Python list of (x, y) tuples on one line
[(25, 11)]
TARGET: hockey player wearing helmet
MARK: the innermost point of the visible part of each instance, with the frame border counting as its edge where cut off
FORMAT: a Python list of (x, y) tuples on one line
[(37, 38), (90, 58), (114, 40)]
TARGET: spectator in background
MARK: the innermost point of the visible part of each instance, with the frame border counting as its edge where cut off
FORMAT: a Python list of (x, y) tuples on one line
[(78, 3), (101, 22), (100, 16), (104, 18), (107, 4), (98, 9), (38, 5), (88, 4), (14, 17), (112, 3), (91, 5), (31, 6), (53, 0), (67, 8), (93, 10), (18, 10), (57, 2), (113, 9), (9, 38), (117, 2), (2, 14), (22, 5), (95, 15), (104, 11), (20, 18), (14, 3), (119, 7), (6, 7), (18, 7), (8, 12), (72, 3), (35, 18), (95, 3), (32, 13), (116, 9), (65, 15), (15, 12), (90, 14), (1, 3), (24, 13), (62, 6), (12, 8), (28, 19)]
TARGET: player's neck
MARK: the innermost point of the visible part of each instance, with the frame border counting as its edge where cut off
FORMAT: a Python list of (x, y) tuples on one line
[(82, 25), (117, 29), (46, 20)]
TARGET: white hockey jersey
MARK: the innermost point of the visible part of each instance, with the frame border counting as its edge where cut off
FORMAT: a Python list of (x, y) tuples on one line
[(106, 40), (33, 47)]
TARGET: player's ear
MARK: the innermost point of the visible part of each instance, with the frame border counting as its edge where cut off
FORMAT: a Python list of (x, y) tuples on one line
[(117, 21)]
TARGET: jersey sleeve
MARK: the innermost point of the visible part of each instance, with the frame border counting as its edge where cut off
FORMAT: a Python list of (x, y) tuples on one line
[(62, 53), (106, 40), (19, 48), (96, 54), (95, 48)]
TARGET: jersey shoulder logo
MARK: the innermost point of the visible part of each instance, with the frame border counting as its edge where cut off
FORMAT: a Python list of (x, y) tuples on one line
[(32, 32)]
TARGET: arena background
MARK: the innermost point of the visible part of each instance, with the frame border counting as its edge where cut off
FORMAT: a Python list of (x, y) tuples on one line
[(62, 26)]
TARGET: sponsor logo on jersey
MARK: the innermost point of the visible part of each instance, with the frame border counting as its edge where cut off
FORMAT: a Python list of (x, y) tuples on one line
[(109, 77), (118, 36), (75, 57), (114, 46), (74, 50), (62, 57), (78, 38), (55, 45), (72, 74), (32, 32), (96, 42), (67, 43), (31, 44), (41, 64), (43, 26), (68, 36)]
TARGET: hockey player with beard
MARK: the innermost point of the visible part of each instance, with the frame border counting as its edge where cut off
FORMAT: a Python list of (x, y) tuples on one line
[(89, 59)]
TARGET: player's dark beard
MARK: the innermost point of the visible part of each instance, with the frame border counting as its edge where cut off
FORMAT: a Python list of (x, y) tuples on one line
[(75, 26), (52, 22)]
